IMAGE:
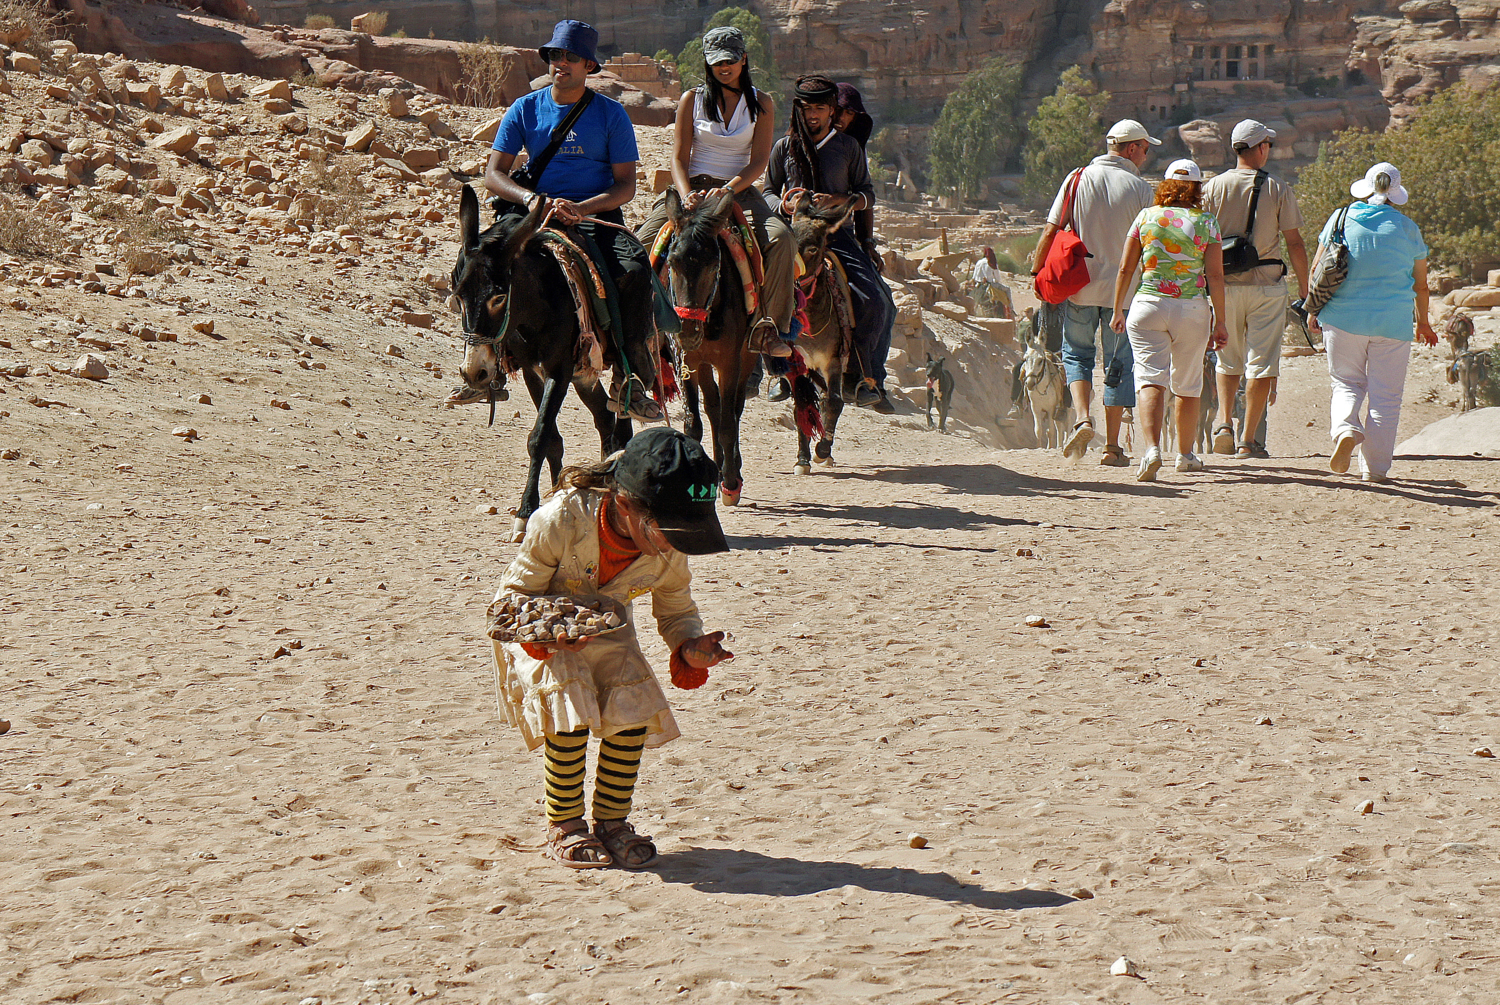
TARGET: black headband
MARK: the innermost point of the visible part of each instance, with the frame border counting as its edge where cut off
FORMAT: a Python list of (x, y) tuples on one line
[(815, 90)]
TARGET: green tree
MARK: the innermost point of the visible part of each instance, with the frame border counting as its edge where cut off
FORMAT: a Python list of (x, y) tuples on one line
[(758, 45), (1449, 157), (1065, 132), (664, 56), (977, 130)]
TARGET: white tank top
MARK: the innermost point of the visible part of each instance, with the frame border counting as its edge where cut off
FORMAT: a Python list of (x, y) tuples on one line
[(720, 150)]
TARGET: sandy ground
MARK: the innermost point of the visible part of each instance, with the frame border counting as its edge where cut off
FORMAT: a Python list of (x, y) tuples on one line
[(253, 754)]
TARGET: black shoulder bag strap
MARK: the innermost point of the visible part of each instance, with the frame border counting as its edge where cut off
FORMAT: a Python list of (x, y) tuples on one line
[(1260, 180), (535, 167)]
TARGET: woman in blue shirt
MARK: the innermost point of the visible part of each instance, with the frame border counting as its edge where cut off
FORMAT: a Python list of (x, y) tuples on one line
[(1367, 324)]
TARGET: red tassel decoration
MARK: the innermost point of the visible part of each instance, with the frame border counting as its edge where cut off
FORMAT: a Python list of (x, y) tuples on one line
[(667, 378)]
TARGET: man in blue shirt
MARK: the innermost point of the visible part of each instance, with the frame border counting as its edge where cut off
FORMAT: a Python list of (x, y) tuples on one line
[(589, 178)]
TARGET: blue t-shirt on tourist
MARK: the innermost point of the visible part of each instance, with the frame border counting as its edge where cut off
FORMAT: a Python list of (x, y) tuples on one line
[(582, 167), (1377, 297)]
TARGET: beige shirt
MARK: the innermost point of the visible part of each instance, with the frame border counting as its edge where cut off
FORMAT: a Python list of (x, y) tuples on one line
[(607, 686), (1110, 194), (1227, 196)]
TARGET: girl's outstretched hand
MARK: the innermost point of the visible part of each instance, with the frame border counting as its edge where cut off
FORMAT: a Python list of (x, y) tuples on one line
[(705, 651)]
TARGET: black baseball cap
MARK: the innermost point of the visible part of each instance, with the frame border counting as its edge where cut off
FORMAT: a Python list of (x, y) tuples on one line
[(668, 471)]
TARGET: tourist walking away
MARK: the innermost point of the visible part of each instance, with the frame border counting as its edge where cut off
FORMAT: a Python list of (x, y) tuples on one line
[(991, 292), (831, 166), (1256, 212), (1100, 201), (721, 143), (622, 528), (590, 175), (1175, 243), (1367, 324)]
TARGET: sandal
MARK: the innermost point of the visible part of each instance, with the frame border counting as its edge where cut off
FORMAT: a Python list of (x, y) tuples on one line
[(570, 843), (1223, 439), (630, 850), (642, 407), (1114, 457)]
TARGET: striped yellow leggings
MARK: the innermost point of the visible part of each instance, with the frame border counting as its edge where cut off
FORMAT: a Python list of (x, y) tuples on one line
[(614, 776)]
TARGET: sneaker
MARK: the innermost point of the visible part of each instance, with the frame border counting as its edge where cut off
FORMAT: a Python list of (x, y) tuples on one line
[(781, 390), (867, 395), (1114, 457), (1223, 439), (1077, 444), (1189, 462), (884, 406), (1378, 477), (1150, 465), (1343, 450)]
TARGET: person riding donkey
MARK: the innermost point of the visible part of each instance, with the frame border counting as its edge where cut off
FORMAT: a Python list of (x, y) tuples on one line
[(720, 144), (831, 165), (589, 177)]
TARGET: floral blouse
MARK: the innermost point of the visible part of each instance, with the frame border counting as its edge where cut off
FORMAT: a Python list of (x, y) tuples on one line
[(1173, 243)]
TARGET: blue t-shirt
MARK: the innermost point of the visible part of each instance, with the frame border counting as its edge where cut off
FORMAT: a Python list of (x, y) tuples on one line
[(583, 166), (1377, 297)]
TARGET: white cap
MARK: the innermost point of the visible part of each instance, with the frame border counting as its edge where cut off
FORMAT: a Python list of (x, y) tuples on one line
[(1129, 131), (1250, 133), (1368, 189), (1184, 170)]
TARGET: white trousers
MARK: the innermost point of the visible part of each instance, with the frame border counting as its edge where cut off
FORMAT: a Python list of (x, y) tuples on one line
[(1366, 368)]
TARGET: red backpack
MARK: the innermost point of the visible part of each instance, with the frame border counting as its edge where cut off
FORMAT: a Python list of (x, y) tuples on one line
[(1065, 272)]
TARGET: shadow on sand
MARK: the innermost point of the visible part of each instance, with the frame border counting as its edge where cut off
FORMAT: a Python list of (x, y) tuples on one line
[(729, 870)]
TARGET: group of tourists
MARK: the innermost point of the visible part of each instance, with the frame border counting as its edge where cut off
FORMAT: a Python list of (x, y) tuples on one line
[(1191, 266), (624, 527)]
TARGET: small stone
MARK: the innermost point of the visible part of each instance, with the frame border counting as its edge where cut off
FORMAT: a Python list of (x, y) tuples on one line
[(1036, 621), (1366, 807), (94, 506), (205, 399), (186, 432), (278, 403), (1046, 526), (4, 726), (91, 367), (487, 510), (1124, 967), (915, 840), (262, 540), (205, 327), (1023, 552), (395, 350), (1264, 720), (10, 454), (124, 468), (1082, 893), (1483, 752)]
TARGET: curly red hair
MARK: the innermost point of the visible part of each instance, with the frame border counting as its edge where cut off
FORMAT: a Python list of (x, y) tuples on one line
[(1183, 194)]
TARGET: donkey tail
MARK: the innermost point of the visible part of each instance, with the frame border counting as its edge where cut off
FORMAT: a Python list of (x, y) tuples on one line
[(805, 410)]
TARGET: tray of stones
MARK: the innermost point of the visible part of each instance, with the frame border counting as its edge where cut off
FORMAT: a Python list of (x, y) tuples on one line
[(517, 618)]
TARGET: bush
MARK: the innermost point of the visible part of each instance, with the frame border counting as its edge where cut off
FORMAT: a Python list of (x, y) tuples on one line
[(1449, 156), (28, 25), (400, 33), (484, 68), (334, 195), (758, 44), (1066, 132), (977, 131), (23, 232), (376, 21), (317, 22), (664, 56)]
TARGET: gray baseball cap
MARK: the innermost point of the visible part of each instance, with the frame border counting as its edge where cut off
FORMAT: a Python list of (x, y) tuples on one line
[(724, 45), (1250, 133)]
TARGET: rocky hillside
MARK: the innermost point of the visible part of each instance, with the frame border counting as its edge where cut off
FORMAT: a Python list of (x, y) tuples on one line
[(1433, 44)]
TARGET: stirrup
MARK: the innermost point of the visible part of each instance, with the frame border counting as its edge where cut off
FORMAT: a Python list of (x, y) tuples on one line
[(634, 400)]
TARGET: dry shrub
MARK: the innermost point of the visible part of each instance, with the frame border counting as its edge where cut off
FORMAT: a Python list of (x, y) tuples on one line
[(317, 22), (333, 195), (145, 239), (28, 25), (23, 231), (485, 68), (140, 260), (376, 21)]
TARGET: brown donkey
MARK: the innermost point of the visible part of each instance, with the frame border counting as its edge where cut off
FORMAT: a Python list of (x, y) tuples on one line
[(824, 347)]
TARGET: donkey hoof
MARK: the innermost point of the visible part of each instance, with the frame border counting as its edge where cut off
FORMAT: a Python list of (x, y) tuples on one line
[(802, 468), (517, 530), (825, 460), (730, 497)]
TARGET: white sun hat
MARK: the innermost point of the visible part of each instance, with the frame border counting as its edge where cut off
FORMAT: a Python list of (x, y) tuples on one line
[(1184, 170), (1368, 187)]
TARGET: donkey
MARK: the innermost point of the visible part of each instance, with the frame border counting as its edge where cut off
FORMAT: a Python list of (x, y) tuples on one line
[(1042, 376), (1469, 370), (705, 285), (516, 303), (939, 391), (824, 347), (1457, 332)]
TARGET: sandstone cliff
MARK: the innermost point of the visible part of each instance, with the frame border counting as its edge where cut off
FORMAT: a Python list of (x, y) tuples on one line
[(1432, 45)]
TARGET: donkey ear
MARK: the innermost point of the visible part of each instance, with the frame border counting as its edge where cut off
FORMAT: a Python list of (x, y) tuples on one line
[(844, 214), (468, 219), (720, 206), (674, 205), (795, 200), (524, 232)]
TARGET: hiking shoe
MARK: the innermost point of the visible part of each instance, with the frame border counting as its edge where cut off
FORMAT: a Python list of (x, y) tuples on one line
[(1223, 439), (1339, 462), (1150, 465), (1189, 462), (1114, 457), (767, 342), (867, 395), (1077, 443), (884, 406), (781, 390)]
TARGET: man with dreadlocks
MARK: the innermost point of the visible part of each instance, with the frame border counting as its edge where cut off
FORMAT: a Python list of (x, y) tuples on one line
[(831, 165)]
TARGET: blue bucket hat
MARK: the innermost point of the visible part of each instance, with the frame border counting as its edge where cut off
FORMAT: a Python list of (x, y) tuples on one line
[(577, 37)]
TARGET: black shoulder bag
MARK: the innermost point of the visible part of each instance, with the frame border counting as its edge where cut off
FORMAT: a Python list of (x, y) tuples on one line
[(529, 176), (1240, 253)]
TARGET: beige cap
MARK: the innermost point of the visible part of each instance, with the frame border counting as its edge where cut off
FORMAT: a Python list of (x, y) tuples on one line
[(1129, 131)]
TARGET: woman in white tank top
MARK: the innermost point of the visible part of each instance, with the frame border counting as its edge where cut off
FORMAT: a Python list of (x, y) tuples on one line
[(722, 141)]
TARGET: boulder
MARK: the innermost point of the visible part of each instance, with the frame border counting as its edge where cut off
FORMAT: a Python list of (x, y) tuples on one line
[(1205, 142), (394, 103), (112, 179), (1475, 297), (215, 87), (423, 158), (91, 367), (1461, 435), (24, 62), (360, 138), (172, 79), (487, 132), (272, 89), (177, 141)]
